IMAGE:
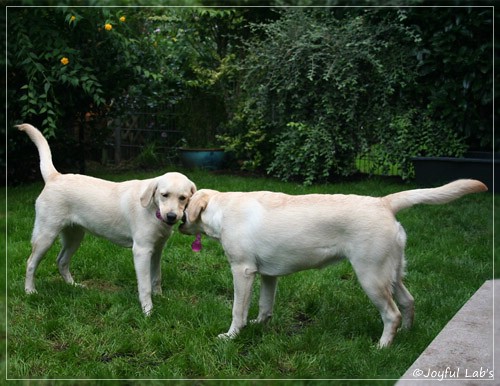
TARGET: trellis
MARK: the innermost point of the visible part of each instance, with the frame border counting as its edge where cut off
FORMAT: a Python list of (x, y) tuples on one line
[(133, 132)]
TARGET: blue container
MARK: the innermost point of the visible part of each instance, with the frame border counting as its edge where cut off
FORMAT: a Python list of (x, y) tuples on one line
[(208, 159)]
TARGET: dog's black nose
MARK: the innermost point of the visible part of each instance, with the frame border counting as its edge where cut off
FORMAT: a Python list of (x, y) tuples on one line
[(171, 217)]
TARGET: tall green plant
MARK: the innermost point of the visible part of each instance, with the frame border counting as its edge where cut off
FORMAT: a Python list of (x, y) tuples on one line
[(412, 133), (410, 81), (64, 62), (344, 76), (304, 153), (198, 43)]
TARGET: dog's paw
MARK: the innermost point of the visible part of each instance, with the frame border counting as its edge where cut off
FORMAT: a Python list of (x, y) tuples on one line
[(226, 336), (383, 343), (157, 291), (30, 291), (78, 285), (261, 320)]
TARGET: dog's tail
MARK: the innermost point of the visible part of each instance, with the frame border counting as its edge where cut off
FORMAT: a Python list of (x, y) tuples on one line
[(440, 195), (46, 166)]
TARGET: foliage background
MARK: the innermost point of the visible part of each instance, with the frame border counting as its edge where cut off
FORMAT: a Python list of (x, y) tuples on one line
[(388, 82)]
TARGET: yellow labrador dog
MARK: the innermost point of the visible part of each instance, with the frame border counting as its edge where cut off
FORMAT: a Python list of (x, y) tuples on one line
[(275, 234), (137, 214)]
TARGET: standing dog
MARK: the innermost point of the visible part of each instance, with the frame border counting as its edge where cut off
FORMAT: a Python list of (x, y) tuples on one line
[(137, 214), (276, 234)]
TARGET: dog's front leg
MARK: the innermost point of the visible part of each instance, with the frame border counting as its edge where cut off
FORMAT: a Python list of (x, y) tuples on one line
[(243, 277), (266, 300), (142, 264), (156, 271)]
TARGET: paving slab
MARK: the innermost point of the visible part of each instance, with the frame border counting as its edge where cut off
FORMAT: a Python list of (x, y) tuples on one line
[(464, 351)]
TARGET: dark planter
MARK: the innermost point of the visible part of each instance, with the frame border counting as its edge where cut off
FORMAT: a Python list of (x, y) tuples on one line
[(209, 159), (431, 171)]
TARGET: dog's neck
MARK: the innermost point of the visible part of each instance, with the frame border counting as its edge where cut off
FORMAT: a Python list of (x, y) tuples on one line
[(211, 222)]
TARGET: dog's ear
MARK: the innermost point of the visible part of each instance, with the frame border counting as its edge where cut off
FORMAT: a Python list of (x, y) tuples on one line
[(195, 207), (149, 193), (193, 188)]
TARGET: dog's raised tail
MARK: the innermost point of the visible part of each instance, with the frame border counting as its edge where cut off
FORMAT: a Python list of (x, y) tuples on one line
[(46, 166), (434, 196)]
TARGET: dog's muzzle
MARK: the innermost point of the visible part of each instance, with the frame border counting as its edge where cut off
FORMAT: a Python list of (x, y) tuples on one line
[(170, 220)]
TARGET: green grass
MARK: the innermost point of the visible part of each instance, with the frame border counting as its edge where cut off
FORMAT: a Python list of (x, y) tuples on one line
[(324, 326)]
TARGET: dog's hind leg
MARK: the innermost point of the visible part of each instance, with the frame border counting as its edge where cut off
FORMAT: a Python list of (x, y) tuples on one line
[(403, 296), (406, 302), (378, 286), (41, 241), (71, 238), (381, 296)]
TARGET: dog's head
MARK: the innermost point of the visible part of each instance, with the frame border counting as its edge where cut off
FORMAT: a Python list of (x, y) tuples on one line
[(192, 223), (170, 193)]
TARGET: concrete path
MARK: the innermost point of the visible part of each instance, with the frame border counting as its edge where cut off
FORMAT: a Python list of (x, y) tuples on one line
[(462, 353)]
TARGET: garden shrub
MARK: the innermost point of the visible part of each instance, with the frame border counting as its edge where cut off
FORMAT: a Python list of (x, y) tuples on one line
[(412, 134), (247, 148), (394, 83), (391, 82), (69, 63), (337, 79), (303, 152)]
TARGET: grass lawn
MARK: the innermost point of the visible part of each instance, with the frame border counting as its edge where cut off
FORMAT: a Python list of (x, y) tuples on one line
[(323, 326)]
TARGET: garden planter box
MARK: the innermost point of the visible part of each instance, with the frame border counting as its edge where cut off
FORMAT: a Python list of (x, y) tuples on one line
[(431, 171), (209, 159)]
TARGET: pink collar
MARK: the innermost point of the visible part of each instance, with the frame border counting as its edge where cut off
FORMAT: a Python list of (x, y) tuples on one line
[(158, 215)]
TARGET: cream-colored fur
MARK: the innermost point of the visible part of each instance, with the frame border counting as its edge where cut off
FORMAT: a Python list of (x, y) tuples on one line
[(124, 213), (275, 234)]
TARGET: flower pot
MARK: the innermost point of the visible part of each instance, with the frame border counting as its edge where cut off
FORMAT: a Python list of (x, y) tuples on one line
[(436, 170), (209, 159)]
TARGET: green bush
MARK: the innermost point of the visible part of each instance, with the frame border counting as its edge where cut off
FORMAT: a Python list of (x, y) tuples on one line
[(411, 134), (340, 78), (66, 62), (405, 82), (247, 148), (303, 152), (389, 81)]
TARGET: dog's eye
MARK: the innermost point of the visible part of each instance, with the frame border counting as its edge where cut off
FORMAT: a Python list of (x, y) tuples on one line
[(165, 195), (182, 198)]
